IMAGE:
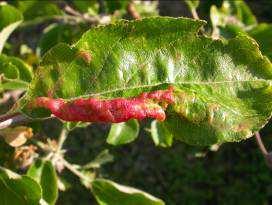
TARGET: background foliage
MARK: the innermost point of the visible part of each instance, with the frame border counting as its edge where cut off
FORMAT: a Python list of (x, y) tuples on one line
[(175, 172)]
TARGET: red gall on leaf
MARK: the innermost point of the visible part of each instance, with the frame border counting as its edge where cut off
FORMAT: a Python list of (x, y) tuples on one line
[(146, 105)]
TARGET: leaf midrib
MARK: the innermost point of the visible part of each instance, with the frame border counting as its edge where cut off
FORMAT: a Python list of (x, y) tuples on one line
[(170, 83)]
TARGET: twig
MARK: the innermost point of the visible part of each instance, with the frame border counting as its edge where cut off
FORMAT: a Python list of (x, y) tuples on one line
[(266, 154), (194, 14), (91, 19), (62, 138), (260, 144), (12, 120), (71, 168)]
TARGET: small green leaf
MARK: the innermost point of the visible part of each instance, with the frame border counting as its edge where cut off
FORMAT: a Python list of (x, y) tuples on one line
[(16, 73), (123, 133), (16, 189), (10, 18), (72, 125), (102, 158), (160, 134), (14, 85), (23, 71), (44, 173), (108, 192)]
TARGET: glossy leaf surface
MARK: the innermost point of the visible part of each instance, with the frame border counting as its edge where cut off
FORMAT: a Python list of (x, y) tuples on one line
[(222, 88)]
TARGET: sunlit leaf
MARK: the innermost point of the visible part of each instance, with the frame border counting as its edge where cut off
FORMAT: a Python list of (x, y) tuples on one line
[(222, 89), (160, 134), (123, 133), (108, 192), (102, 158)]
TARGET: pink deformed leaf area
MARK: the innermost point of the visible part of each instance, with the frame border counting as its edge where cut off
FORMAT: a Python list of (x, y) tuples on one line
[(146, 105)]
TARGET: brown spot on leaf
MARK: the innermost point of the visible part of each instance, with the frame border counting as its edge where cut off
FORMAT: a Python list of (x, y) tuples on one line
[(241, 127), (86, 56)]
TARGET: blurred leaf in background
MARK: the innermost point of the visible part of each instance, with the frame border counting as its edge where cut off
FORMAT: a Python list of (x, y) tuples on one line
[(36, 10), (10, 18)]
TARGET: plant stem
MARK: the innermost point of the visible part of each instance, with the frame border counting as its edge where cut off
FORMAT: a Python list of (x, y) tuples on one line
[(9, 120), (71, 168), (132, 11), (260, 144), (62, 138), (194, 14)]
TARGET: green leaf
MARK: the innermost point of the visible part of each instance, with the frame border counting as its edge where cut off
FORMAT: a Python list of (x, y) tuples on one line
[(108, 192), (222, 89), (16, 73), (72, 125), (160, 134), (262, 34), (123, 133), (16, 189), (10, 20), (13, 67), (44, 173), (102, 158)]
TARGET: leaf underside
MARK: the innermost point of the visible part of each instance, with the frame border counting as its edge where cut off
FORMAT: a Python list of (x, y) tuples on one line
[(222, 88)]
